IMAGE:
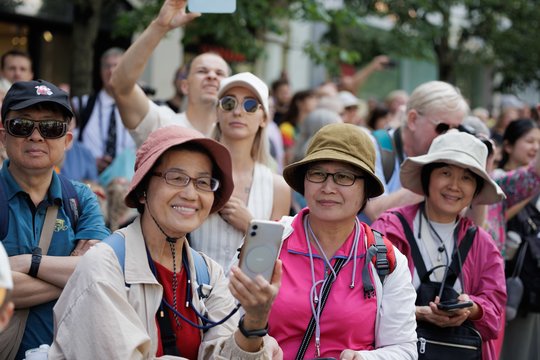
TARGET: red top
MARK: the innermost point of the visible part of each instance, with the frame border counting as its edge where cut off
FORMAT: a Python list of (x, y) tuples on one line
[(188, 338)]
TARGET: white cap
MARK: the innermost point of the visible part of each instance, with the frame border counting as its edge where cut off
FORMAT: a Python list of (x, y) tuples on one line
[(250, 81), (348, 99)]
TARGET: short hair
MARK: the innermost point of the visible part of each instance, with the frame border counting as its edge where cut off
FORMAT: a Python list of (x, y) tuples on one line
[(190, 62), (13, 52), (434, 96), (278, 83), (114, 51)]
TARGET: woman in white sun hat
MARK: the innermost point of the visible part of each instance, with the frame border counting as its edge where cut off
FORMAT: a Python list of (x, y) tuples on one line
[(452, 177)]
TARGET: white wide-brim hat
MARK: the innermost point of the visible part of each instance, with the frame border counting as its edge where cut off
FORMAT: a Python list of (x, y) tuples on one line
[(454, 148)]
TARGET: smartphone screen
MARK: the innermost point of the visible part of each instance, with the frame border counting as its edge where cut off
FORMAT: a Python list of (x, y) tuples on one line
[(212, 6)]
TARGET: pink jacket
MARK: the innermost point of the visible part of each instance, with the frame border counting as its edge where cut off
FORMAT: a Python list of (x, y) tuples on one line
[(483, 271)]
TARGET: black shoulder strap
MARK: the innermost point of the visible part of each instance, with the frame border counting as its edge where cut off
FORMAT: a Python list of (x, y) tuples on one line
[(70, 200), (84, 113), (168, 338), (399, 145), (311, 326), (457, 258), (4, 210), (415, 251)]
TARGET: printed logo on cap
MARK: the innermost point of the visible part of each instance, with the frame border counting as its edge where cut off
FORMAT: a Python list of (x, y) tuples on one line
[(43, 90)]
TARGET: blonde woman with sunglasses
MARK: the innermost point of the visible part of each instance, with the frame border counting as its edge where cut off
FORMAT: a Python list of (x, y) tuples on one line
[(243, 115)]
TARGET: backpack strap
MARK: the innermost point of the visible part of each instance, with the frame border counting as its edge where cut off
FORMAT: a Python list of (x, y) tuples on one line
[(118, 243), (415, 251), (381, 252), (70, 200), (388, 155)]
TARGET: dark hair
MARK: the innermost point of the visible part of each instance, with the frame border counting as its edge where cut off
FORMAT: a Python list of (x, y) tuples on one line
[(428, 169), (515, 131), (278, 83), (378, 112), (294, 110), (189, 146), (13, 52)]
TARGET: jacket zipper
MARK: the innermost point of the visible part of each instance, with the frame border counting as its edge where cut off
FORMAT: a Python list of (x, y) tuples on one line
[(424, 341)]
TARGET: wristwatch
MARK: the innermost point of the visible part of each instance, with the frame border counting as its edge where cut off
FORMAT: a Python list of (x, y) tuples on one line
[(251, 333), (36, 260)]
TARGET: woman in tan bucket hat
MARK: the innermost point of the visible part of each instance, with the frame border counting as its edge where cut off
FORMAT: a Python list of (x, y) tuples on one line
[(451, 176), (366, 316), (149, 298)]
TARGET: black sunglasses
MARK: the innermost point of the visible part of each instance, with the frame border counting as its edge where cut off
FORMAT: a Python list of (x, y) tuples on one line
[(229, 103), (49, 129)]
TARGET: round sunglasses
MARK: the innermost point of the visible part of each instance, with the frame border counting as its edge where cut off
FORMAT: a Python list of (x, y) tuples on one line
[(229, 103), (49, 129)]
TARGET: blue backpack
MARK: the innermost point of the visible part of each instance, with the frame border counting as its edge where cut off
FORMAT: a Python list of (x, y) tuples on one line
[(118, 244), (70, 203)]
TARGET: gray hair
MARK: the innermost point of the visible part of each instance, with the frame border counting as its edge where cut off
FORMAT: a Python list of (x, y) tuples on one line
[(315, 120), (114, 51), (435, 96)]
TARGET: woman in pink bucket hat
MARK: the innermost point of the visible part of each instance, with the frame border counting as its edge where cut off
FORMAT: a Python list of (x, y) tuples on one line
[(145, 293)]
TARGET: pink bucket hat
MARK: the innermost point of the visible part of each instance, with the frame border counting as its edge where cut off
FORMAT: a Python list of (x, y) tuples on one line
[(167, 137)]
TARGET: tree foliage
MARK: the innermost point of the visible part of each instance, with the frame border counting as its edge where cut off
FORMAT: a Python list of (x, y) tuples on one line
[(497, 34)]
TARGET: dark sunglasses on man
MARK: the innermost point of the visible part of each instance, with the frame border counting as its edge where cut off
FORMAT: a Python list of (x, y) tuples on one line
[(49, 129)]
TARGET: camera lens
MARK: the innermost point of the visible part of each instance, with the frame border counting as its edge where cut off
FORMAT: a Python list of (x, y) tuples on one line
[(253, 233)]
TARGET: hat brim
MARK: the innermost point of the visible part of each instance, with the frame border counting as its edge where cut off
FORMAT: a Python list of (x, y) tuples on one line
[(220, 157), (411, 170), (31, 102), (294, 173)]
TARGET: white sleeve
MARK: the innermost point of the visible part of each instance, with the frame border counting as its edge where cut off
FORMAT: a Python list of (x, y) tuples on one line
[(157, 117), (395, 331)]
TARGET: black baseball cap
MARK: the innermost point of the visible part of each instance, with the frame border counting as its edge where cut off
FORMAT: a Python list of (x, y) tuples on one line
[(23, 94)]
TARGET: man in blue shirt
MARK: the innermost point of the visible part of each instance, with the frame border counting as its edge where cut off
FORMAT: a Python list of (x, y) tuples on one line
[(35, 116)]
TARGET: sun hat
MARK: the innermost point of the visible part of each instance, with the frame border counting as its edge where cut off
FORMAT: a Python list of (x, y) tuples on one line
[(23, 94), (455, 148), (167, 137), (338, 142), (348, 99), (250, 81)]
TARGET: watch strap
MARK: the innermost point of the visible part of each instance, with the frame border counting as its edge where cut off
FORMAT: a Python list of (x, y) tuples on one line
[(251, 333), (36, 261)]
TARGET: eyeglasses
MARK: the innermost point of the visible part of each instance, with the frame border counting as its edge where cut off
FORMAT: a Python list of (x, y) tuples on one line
[(229, 103), (49, 129), (340, 178), (179, 179)]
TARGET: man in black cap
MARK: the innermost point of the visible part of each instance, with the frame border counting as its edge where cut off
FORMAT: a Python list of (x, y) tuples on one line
[(44, 218)]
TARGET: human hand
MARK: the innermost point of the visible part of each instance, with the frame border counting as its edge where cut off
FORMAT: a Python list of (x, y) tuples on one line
[(173, 14), (83, 246), (432, 314), (255, 295), (236, 214), (5, 315), (350, 355)]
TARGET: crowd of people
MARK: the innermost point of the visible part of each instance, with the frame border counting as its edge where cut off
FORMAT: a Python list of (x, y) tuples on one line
[(122, 216)]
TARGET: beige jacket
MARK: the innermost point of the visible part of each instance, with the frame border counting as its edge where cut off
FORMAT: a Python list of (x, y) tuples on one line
[(98, 317)]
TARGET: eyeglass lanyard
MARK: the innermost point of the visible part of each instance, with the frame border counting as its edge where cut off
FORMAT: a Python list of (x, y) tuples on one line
[(317, 301), (208, 323)]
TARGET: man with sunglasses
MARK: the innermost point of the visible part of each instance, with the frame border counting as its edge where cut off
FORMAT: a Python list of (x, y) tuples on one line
[(204, 74), (433, 108), (35, 117)]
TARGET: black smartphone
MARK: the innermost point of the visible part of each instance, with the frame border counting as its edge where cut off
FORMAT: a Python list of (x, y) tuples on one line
[(453, 305), (390, 64)]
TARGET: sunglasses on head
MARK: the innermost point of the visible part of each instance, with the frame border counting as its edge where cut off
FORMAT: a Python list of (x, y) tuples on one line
[(229, 103), (441, 128), (49, 129)]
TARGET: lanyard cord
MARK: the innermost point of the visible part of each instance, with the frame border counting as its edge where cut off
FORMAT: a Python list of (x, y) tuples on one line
[(315, 298)]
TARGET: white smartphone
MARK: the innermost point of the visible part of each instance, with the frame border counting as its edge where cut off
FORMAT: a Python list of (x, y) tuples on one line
[(261, 248), (212, 6)]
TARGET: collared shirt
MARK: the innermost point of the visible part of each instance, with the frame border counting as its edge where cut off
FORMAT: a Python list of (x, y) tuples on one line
[(25, 225)]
